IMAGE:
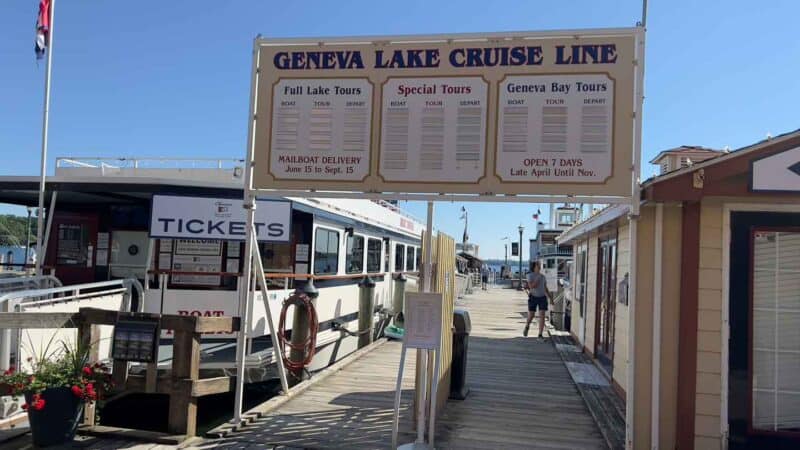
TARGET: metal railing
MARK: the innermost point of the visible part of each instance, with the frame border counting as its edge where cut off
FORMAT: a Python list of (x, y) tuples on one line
[(17, 301), (13, 284), (148, 163)]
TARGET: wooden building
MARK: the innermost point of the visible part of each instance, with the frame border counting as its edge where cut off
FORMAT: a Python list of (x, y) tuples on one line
[(715, 336)]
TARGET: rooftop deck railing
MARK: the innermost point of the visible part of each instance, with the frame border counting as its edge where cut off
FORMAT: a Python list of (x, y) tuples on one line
[(148, 163)]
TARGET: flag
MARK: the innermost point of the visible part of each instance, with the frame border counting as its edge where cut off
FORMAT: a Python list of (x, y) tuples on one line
[(42, 28), (536, 216)]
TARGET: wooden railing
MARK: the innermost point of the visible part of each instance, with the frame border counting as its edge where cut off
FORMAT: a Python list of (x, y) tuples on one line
[(182, 383)]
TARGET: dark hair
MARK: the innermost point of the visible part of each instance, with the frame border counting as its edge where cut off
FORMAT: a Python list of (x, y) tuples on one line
[(534, 264)]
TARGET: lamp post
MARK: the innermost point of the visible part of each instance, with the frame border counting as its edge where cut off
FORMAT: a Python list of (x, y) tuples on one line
[(521, 229), (465, 236), (506, 260), (27, 240)]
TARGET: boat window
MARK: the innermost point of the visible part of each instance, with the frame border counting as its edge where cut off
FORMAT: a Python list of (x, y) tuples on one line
[(410, 258), (192, 258), (374, 255), (73, 245), (326, 252), (276, 256), (354, 261), (387, 259), (399, 257)]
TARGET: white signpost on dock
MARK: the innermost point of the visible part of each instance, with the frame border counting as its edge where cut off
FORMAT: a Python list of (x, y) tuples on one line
[(500, 117)]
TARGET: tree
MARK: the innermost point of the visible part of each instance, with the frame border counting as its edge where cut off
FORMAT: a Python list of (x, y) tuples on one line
[(13, 230)]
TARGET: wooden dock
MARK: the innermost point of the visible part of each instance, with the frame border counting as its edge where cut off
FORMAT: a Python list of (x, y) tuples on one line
[(521, 396)]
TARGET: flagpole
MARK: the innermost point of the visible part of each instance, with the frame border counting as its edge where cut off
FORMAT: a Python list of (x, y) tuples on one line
[(45, 124)]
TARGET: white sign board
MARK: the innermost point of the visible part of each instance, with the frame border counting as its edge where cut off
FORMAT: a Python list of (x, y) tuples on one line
[(555, 128), (776, 173), (434, 129), (423, 320), (540, 113), (217, 218), (321, 129)]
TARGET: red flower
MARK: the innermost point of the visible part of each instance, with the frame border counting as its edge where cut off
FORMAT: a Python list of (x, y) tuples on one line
[(87, 370), (77, 391), (25, 406), (38, 405)]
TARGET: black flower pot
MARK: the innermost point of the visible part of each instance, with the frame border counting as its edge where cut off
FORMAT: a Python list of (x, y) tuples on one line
[(57, 422)]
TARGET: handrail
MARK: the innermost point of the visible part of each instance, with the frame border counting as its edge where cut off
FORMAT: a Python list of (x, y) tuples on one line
[(76, 288), (303, 276), (30, 280), (17, 300), (100, 162)]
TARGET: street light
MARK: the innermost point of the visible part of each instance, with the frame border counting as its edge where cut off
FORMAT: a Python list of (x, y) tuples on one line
[(521, 229), (465, 237), (27, 240), (506, 245)]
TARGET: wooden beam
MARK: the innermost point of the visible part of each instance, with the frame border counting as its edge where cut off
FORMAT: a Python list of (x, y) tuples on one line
[(99, 316), (166, 385), (217, 324), (687, 326), (209, 386), (16, 320), (131, 434)]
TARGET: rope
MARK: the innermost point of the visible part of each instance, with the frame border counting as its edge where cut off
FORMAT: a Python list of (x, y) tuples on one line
[(309, 346)]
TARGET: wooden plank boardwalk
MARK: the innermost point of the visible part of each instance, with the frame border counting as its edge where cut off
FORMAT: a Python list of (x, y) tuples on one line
[(521, 396)]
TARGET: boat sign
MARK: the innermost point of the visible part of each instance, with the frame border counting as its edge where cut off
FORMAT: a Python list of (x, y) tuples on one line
[(217, 218)]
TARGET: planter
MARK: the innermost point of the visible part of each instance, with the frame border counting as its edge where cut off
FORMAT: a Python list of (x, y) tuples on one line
[(57, 422)]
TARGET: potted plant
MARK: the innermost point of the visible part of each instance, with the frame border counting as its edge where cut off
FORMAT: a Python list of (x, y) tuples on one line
[(56, 387)]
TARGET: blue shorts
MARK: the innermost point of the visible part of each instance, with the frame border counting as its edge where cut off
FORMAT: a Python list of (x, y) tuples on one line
[(537, 302)]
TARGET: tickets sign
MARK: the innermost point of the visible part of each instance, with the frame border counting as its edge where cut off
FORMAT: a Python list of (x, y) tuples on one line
[(539, 113)]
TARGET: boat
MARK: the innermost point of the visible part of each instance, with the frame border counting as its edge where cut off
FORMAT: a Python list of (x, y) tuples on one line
[(100, 229)]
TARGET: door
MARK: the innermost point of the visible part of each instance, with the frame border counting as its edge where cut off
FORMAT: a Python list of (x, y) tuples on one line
[(71, 247), (764, 343), (607, 279)]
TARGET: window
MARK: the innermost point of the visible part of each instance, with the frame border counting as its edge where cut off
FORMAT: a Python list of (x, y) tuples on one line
[(326, 252), (276, 257), (387, 260), (419, 259), (776, 340), (685, 161), (410, 258), (580, 279), (665, 167), (354, 257), (399, 257), (73, 245), (565, 219), (374, 247)]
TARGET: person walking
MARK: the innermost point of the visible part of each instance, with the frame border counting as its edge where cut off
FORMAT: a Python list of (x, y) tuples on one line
[(538, 295), (484, 276)]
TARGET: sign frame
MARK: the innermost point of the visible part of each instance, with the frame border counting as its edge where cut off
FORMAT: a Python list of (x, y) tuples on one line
[(617, 188)]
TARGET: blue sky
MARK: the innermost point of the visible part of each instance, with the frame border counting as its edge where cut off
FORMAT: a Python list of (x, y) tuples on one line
[(155, 78)]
